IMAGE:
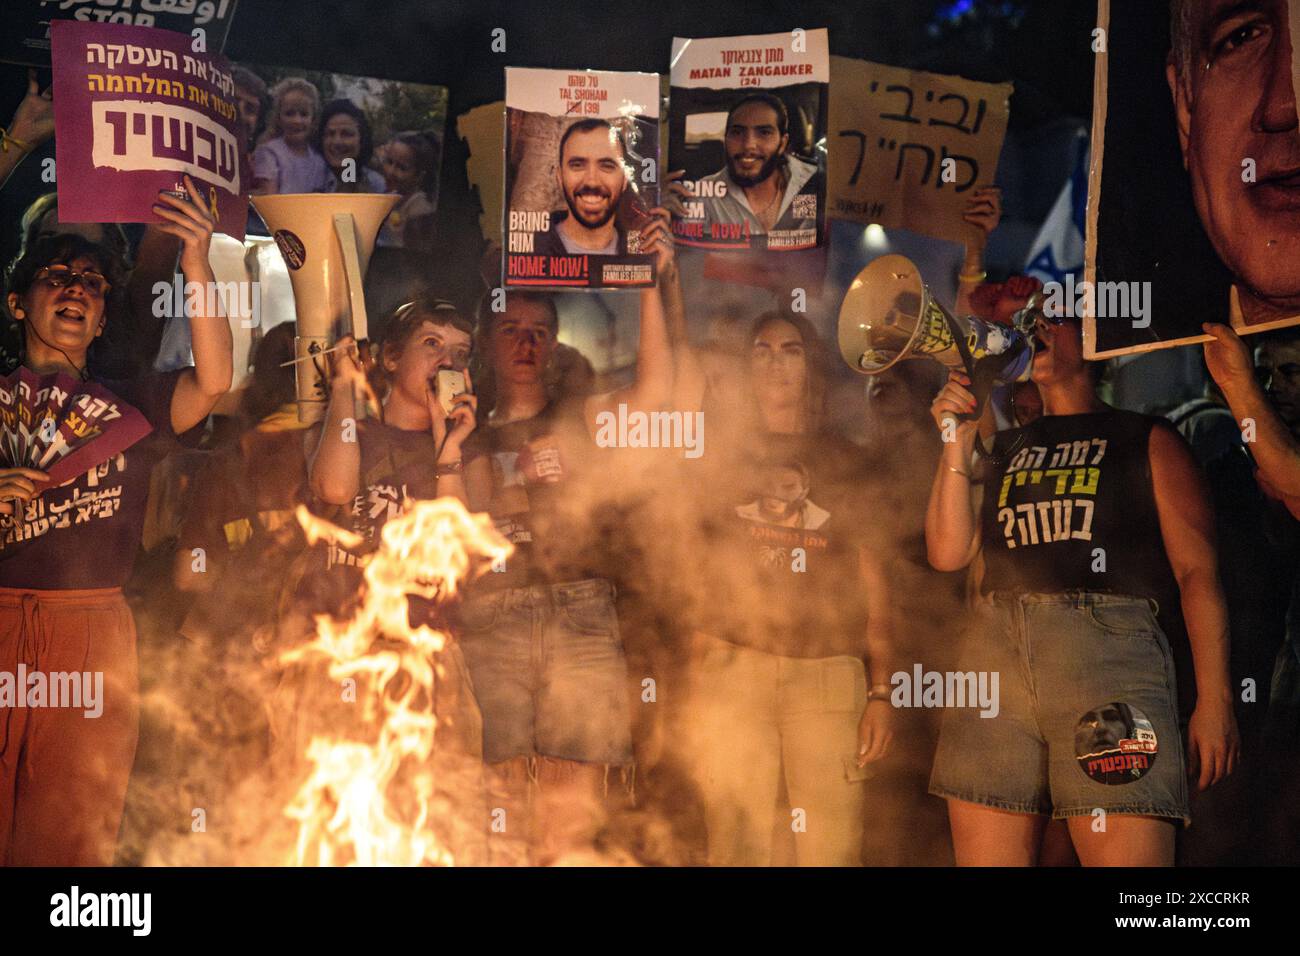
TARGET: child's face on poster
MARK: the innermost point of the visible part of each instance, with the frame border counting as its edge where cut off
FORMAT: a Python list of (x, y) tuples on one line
[(1237, 104), (400, 171), (295, 118), (784, 488)]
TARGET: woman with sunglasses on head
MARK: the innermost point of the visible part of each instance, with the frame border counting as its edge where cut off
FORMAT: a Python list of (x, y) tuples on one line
[(67, 550), (413, 450), (1090, 517)]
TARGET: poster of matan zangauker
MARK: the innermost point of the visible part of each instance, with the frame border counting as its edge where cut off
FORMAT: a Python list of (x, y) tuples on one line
[(582, 161), (747, 123)]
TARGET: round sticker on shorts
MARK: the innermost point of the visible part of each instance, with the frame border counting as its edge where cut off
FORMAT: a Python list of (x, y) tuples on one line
[(291, 247), (1115, 743)]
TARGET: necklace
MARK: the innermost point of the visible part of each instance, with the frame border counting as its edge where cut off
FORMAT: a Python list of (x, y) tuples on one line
[(762, 214)]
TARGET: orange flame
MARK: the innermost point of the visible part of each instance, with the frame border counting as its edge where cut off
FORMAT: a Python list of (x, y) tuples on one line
[(367, 802)]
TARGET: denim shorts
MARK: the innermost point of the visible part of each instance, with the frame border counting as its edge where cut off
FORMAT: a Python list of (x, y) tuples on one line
[(1087, 710), (549, 672)]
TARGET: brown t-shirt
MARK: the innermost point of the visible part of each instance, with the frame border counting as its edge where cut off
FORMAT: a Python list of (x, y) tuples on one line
[(545, 498), (247, 489), (785, 521), (396, 465)]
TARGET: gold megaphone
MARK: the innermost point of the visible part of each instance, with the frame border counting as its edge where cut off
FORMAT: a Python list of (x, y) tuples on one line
[(326, 240), (889, 315)]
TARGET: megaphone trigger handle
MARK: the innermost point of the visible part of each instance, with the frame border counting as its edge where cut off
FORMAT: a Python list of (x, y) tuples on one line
[(978, 387), (982, 378)]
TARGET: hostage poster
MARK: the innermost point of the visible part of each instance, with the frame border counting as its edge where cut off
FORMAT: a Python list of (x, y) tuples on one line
[(581, 176), (748, 125), (134, 110)]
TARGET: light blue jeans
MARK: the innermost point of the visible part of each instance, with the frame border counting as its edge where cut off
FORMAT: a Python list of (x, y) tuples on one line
[(1087, 715), (549, 672)]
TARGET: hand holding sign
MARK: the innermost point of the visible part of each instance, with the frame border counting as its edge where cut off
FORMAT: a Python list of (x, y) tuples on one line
[(136, 111), (190, 222)]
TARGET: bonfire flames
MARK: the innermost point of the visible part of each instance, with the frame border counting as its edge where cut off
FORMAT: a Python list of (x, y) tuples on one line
[(369, 795)]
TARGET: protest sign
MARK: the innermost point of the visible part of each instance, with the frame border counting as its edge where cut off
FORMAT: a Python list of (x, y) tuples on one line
[(581, 171), (134, 111), (1191, 217), (907, 147), (747, 123), (25, 24)]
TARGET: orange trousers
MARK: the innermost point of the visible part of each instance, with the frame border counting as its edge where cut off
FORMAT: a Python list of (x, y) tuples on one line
[(63, 773)]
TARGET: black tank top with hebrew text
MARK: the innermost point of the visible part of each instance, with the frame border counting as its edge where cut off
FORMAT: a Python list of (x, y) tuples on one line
[(1069, 505)]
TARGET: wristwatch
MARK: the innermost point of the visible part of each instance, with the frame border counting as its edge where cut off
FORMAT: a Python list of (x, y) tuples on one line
[(443, 469)]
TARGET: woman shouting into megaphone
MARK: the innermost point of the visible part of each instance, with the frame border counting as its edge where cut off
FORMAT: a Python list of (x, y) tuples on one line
[(1093, 524)]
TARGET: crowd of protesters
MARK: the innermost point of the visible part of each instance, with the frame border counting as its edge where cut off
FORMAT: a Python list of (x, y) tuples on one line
[(687, 660)]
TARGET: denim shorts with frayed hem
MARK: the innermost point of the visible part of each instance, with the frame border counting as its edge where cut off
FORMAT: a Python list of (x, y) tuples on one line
[(1086, 717), (549, 672)]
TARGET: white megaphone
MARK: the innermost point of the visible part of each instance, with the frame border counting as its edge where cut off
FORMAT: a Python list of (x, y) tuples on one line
[(326, 240), (889, 315)]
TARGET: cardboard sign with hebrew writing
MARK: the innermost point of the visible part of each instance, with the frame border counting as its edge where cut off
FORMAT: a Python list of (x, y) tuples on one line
[(747, 123), (581, 176), (134, 111), (907, 148)]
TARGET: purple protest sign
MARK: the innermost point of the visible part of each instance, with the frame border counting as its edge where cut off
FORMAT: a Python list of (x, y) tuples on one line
[(134, 109)]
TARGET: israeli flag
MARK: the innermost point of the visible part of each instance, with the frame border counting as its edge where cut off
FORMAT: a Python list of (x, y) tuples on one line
[(1058, 249)]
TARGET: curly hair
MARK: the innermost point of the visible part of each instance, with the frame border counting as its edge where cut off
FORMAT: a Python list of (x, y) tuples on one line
[(347, 108), (64, 249)]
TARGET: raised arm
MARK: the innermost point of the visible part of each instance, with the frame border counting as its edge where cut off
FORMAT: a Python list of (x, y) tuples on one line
[(653, 388), (31, 126), (951, 533), (198, 388), (334, 471), (1187, 527), (983, 212)]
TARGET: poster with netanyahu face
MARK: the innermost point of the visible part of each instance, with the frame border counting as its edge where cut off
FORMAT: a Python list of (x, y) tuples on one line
[(747, 123), (581, 179), (1194, 190)]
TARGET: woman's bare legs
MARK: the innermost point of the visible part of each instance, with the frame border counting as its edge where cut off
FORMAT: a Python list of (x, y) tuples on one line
[(986, 836), (1128, 840)]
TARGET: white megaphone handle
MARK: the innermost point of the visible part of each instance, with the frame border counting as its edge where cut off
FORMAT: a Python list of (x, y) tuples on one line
[(347, 233), (346, 229)]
